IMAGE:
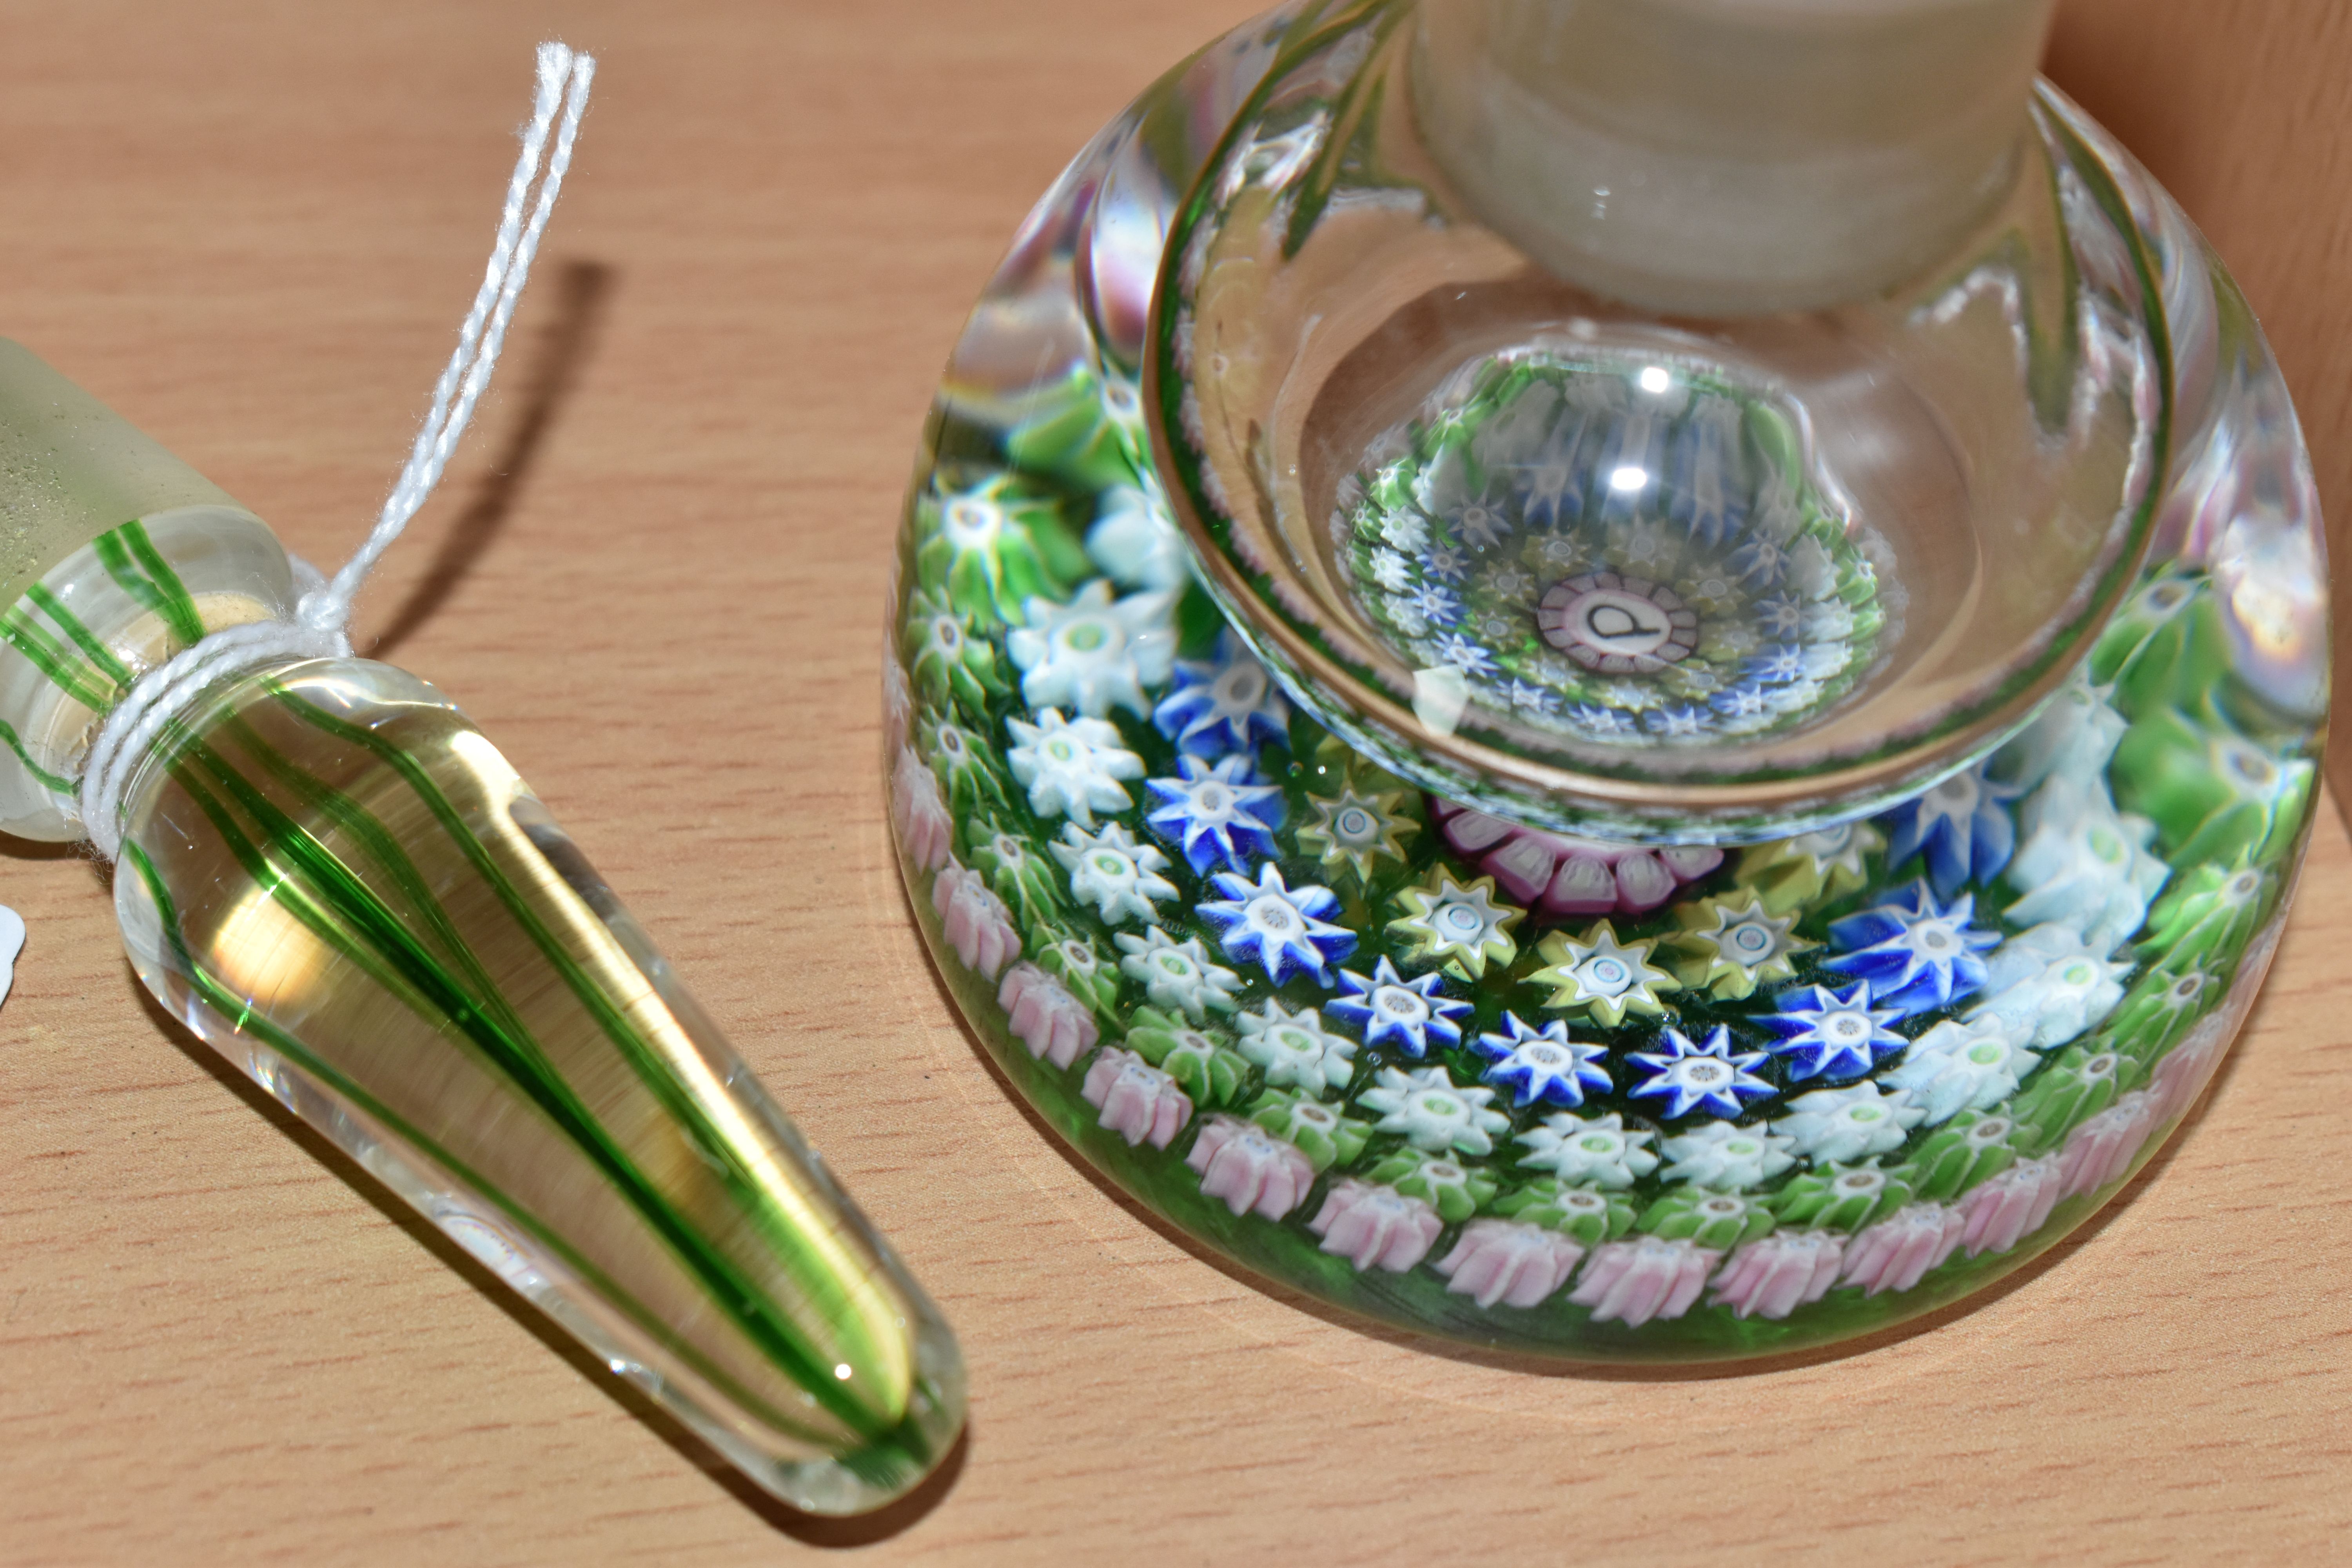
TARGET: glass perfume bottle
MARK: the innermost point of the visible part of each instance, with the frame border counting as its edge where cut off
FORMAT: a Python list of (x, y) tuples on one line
[(334, 879), (1643, 680)]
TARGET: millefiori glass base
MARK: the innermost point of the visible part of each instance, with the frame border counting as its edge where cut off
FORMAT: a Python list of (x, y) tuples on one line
[(1583, 1098)]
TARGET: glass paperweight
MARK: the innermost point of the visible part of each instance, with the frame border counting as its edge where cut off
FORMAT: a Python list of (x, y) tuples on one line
[(1630, 682), (335, 881)]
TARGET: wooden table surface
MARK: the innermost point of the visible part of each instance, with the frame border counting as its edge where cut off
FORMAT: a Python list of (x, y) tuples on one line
[(654, 577)]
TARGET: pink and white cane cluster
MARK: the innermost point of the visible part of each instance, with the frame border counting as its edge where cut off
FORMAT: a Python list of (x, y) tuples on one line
[(1517, 1265), (918, 810), (977, 924), (1055, 1025), (1138, 1101), (1249, 1170), (1636, 1280), (1559, 876), (1375, 1227)]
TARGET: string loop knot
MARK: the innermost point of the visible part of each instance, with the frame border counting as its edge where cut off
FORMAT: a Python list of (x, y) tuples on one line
[(320, 625)]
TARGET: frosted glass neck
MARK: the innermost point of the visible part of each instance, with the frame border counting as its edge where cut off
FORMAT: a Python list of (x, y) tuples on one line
[(70, 468), (1729, 157)]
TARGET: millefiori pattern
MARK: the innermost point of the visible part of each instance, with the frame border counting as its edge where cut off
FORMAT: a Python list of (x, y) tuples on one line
[(1428, 1061)]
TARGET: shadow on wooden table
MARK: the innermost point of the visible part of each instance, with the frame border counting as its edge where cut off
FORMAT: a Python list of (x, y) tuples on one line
[(814, 1530), (562, 350), (2023, 1275)]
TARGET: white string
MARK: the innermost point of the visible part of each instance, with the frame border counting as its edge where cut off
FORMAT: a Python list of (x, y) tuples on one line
[(322, 622)]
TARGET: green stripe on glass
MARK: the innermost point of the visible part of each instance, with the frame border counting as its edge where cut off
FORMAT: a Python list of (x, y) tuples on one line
[(47, 779), (338, 857), (59, 665), (225, 1001), (97, 652), (813, 1273), (304, 875), (131, 558)]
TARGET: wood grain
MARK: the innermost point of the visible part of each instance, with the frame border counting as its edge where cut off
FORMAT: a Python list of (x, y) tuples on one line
[(252, 228)]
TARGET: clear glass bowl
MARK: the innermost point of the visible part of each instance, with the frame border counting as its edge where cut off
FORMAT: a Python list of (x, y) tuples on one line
[(1669, 578)]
